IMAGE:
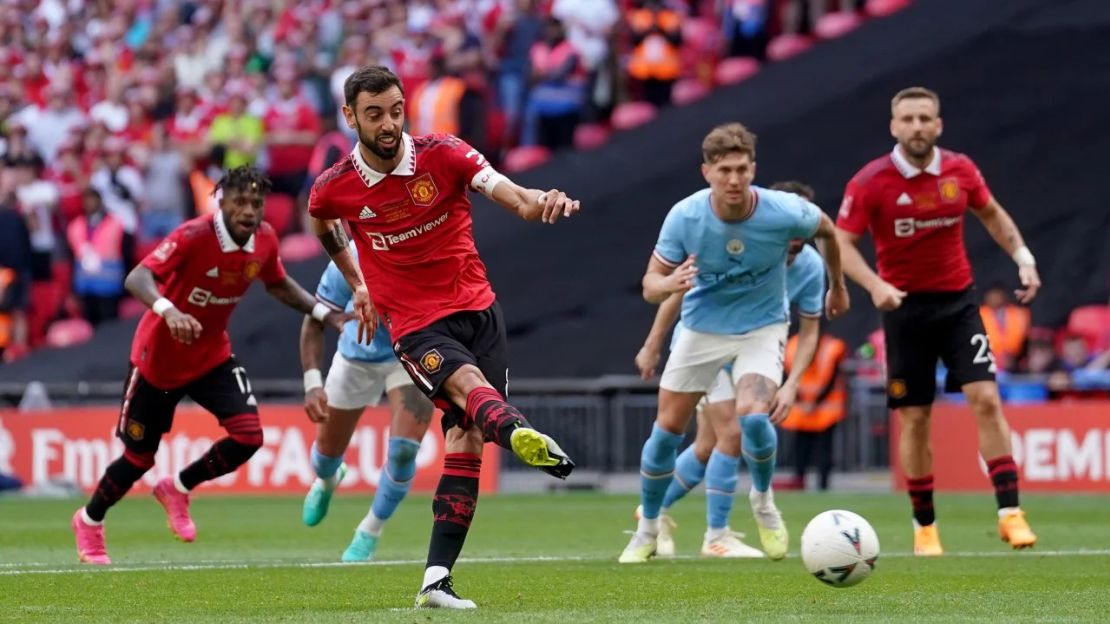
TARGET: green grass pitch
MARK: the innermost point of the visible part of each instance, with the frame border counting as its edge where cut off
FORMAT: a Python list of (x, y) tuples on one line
[(549, 558)]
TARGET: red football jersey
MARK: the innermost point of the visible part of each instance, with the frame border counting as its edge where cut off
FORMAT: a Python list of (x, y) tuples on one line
[(204, 273), (413, 229), (916, 217)]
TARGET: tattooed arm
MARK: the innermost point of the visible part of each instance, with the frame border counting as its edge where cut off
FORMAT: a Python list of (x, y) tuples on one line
[(334, 239), (1005, 232)]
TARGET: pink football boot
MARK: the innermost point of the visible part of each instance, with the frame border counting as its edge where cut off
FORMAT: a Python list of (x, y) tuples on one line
[(90, 541), (176, 505)]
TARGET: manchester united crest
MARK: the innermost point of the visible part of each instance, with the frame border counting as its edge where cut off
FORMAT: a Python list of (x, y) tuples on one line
[(431, 361), (251, 270), (422, 190), (135, 430), (949, 190)]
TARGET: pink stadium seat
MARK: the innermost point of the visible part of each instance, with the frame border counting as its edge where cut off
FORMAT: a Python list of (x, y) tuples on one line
[(688, 90), (786, 46), (590, 136), (732, 71), (526, 157), (1093, 323), (280, 209), (131, 308), (882, 8), (68, 332), (837, 24), (632, 114), (297, 247)]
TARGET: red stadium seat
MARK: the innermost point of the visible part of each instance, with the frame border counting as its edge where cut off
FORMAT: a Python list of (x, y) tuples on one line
[(688, 90), (131, 308), (1093, 323), (837, 24), (590, 136), (280, 210), (45, 301), (526, 157), (736, 70), (786, 46), (882, 8), (297, 247), (631, 115), (68, 332)]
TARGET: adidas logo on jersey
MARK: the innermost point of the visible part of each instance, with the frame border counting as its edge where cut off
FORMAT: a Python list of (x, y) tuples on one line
[(367, 213), (904, 200), (213, 272)]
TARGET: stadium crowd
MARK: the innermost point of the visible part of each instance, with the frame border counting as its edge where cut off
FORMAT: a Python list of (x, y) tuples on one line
[(119, 115)]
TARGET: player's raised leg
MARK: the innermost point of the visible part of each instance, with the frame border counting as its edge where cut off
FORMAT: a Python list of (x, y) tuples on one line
[(412, 412), (994, 444), (225, 392), (146, 413), (332, 437)]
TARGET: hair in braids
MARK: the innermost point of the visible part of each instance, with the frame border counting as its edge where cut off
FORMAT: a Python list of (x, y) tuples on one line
[(242, 179)]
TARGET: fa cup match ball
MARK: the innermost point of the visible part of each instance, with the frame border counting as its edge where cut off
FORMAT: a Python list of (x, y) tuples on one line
[(839, 548)]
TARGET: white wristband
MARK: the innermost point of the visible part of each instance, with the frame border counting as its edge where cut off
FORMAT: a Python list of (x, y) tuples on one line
[(1024, 257), (313, 379), (161, 306), (320, 311)]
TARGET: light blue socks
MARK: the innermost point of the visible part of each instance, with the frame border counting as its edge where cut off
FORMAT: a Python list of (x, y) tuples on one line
[(657, 469), (760, 441)]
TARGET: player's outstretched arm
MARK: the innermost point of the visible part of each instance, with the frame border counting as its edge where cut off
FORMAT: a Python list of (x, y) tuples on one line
[(1005, 232), (884, 295), (289, 292), (809, 330), (532, 204), (661, 280), (648, 357), (312, 348), (334, 239), (836, 300), (141, 284)]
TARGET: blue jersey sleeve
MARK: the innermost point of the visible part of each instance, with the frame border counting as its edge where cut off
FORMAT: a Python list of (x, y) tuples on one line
[(804, 219), (670, 249), (811, 297), (333, 290)]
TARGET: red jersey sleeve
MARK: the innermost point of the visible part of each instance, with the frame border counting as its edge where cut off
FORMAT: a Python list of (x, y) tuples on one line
[(273, 270), (855, 210), (165, 260), (463, 160), (978, 193), (320, 205)]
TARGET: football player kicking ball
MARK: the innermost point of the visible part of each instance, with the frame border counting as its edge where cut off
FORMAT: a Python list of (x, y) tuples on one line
[(405, 200), (734, 311), (358, 376), (191, 283), (805, 287)]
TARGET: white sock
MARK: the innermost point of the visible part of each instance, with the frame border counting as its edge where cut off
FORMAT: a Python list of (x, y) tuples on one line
[(650, 527), (712, 534), (433, 574), (762, 499), (331, 482), (87, 520), (371, 525), (178, 485), (1005, 511)]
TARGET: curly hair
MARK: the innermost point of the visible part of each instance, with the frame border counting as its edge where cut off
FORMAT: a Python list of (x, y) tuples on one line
[(242, 179)]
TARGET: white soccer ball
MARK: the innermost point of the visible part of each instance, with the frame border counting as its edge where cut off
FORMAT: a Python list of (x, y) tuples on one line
[(839, 548)]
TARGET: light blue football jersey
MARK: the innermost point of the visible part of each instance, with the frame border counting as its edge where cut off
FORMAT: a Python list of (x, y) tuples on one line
[(741, 281), (805, 282), (334, 291)]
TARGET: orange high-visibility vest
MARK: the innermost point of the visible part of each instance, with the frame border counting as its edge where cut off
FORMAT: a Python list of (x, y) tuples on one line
[(435, 106), (822, 372), (98, 253), (655, 57), (1008, 337), (202, 187)]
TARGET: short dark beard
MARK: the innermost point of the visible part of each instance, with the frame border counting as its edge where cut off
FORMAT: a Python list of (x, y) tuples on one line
[(372, 145)]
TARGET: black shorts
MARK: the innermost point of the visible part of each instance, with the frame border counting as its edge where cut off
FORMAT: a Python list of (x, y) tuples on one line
[(147, 411), (432, 354), (929, 326)]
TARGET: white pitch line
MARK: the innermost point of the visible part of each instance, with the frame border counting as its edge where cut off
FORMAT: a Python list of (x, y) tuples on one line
[(233, 565)]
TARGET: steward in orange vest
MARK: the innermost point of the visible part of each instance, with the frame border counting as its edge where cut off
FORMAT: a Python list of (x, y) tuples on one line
[(821, 400)]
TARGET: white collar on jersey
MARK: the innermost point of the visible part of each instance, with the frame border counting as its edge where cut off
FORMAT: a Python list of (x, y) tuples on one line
[(908, 170), (227, 243), (406, 167)]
